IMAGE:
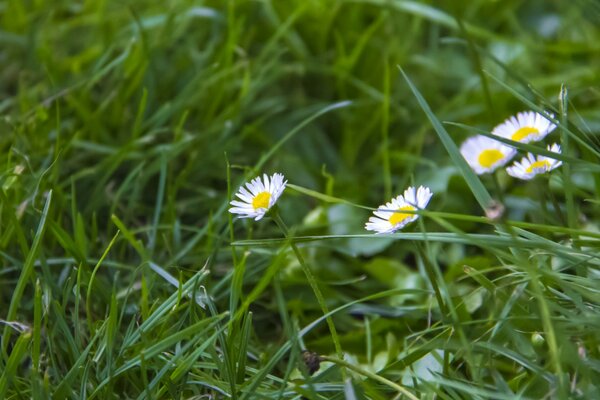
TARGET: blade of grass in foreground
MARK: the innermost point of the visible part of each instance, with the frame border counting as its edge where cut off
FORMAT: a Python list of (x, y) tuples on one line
[(568, 184), (26, 272), (36, 378), (154, 319), (479, 191), (88, 301), (314, 286), (253, 383), (485, 241), (197, 330), (17, 354), (64, 387)]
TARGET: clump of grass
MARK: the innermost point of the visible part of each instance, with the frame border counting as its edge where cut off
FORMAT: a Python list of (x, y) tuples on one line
[(126, 128)]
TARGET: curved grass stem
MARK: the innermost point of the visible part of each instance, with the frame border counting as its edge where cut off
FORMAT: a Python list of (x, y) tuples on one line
[(312, 281), (371, 375)]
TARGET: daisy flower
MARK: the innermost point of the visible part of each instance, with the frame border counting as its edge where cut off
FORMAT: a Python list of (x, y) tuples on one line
[(525, 127), (484, 154), (390, 217), (258, 196), (531, 165)]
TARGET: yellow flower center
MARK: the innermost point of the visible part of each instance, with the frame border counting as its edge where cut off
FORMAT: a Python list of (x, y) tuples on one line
[(398, 216), (538, 164), (524, 132), (261, 200), (489, 157)]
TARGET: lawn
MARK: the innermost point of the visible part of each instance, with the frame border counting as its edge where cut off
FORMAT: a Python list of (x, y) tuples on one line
[(128, 127)]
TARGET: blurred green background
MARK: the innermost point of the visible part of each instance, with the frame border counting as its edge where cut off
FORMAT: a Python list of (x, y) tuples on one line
[(135, 108)]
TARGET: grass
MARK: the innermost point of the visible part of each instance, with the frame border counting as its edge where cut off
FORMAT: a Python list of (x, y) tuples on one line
[(126, 127)]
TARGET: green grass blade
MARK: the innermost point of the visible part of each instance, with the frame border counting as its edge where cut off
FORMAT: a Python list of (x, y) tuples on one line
[(479, 191), (566, 167), (27, 271), (88, 297), (16, 356)]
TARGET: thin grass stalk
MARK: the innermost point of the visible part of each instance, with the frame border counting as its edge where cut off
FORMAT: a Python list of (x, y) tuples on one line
[(312, 281)]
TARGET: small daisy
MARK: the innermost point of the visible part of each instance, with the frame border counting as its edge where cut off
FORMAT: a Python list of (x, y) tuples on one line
[(531, 165), (258, 196), (390, 217), (525, 127), (484, 154)]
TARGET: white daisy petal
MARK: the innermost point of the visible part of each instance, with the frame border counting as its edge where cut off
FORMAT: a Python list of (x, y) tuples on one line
[(484, 154), (259, 184), (527, 127), (253, 188), (240, 210), (245, 192), (390, 216), (239, 204), (266, 184), (382, 214), (423, 196), (242, 196), (258, 196), (532, 165), (410, 196)]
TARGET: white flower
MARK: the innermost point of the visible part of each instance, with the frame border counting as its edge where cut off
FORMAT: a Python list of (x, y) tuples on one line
[(484, 154), (390, 217), (531, 165), (258, 196), (525, 127)]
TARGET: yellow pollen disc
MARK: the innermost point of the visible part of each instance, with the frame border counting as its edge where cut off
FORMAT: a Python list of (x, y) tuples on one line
[(524, 132), (398, 217), (538, 164), (489, 157), (261, 200)]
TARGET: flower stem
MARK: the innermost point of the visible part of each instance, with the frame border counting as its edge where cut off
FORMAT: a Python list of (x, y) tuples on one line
[(312, 281), (371, 375), (541, 189), (498, 187), (557, 210)]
